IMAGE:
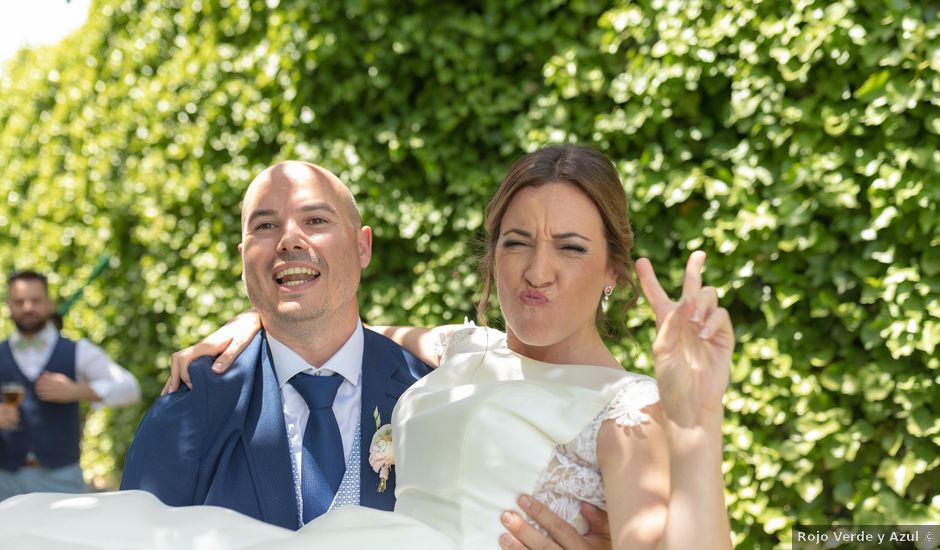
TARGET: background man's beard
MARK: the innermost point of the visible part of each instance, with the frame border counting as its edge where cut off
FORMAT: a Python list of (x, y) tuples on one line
[(29, 328)]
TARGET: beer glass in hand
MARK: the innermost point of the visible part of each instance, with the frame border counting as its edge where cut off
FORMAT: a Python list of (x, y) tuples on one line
[(13, 395)]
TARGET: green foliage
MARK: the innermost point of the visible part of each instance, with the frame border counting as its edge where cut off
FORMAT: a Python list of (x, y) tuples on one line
[(798, 142)]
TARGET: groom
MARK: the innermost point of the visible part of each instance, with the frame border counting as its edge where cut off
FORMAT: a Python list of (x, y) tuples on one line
[(285, 434)]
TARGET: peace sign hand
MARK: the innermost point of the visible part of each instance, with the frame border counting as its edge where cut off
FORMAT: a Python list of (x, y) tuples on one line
[(693, 346)]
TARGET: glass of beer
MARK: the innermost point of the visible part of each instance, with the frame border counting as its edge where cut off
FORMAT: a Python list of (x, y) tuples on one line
[(13, 395)]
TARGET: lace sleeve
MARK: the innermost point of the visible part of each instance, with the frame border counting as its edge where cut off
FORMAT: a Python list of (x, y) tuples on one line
[(626, 407), (572, 475), (449, 341)]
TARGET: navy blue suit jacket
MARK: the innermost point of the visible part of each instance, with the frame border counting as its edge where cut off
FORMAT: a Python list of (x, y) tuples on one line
[(224, 442)]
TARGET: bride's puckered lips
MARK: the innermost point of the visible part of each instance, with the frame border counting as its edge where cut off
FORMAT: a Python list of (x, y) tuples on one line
[(532, 298)]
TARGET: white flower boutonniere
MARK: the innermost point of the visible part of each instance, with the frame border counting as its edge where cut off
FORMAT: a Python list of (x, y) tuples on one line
[(381, 451)]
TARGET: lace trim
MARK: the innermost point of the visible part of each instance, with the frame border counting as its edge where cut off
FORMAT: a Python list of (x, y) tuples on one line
[(446, 345), (572, 474), (626, 407)]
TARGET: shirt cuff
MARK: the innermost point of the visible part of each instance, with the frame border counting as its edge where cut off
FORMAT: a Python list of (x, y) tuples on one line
[(113, 394)]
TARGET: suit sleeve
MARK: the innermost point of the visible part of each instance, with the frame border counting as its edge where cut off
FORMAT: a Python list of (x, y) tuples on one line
[(165, 456)]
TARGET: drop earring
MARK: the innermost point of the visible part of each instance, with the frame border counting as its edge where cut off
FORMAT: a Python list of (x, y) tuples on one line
[(605, 301)]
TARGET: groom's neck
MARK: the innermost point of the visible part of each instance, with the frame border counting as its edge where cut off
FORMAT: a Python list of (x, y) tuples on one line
[(314, 340)]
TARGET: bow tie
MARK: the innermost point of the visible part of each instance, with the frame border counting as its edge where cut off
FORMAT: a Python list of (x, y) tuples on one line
[(24, 344)]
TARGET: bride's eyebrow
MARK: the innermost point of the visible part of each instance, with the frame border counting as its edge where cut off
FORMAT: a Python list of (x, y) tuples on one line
[(556, 236), (518, 231), (568, 235)]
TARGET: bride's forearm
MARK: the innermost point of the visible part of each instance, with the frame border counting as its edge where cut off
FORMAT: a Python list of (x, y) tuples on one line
[(697, 516)]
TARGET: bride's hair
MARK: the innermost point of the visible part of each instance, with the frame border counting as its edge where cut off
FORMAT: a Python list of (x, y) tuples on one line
[(591, 172)]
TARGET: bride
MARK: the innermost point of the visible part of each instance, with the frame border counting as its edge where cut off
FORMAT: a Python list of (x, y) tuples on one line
[(543, 409)]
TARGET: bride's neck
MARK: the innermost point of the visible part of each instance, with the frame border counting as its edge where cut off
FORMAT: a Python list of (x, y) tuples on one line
[(588, 349)]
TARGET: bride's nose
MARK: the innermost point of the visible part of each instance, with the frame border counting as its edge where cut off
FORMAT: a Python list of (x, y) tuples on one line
[(540, 268)]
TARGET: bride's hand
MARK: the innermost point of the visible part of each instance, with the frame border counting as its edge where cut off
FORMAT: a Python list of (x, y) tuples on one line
[(693, 346), (229, 341)]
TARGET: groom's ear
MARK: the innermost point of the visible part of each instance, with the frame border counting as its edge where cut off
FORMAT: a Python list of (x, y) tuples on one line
[(241, 252), (364, 241)]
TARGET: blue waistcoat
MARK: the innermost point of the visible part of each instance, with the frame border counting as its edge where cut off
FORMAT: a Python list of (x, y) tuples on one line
[(51, 431)]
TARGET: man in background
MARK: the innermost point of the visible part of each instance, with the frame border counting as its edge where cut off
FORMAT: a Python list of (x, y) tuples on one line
[(43, 377)]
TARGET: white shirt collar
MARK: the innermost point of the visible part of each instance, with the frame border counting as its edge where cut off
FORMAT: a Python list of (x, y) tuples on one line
[(49, 335), (346, 362)]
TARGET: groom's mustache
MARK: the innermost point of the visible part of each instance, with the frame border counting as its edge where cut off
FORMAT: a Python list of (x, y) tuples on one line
[(300, 256)]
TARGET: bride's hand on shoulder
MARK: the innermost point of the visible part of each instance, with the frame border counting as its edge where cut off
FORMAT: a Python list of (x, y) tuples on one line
[(693, 346), (227, 342)]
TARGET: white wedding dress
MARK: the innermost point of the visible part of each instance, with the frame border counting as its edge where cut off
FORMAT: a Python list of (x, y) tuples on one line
[(469, 438)]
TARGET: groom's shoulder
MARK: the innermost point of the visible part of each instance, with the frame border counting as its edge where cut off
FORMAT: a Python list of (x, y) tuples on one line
[(237, 379), (397, 355), (222, 390)]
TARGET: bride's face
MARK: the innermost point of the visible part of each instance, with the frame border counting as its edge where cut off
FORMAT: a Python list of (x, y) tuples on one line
[(551, 269)]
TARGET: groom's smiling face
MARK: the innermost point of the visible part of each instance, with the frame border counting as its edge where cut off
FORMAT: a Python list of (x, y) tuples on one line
[(303, 246)]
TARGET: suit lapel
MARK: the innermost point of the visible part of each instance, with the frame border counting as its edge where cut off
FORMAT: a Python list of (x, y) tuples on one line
[(265, 438), (380, 361)]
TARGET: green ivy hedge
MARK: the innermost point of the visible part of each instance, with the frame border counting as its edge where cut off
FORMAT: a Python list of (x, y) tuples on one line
[(798, 142)]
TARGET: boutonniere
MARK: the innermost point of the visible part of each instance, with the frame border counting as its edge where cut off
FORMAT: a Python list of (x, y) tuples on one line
[(381, 451)]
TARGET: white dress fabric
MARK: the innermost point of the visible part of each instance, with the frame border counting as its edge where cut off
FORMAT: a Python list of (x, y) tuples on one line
[(469, 438)]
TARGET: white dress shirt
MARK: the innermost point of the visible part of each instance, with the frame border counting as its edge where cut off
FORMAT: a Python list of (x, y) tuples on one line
[(346, 362), (111, 382)]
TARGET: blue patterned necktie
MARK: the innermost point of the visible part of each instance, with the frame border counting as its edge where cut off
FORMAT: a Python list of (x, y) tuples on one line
[(322, 465)]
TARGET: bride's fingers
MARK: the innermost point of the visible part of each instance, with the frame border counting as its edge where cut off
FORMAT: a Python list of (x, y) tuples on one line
[(187, 356), (173, 382), (692, 282), (705, 302), (667, 331), (718, 321), (235, 347), (655, 295)]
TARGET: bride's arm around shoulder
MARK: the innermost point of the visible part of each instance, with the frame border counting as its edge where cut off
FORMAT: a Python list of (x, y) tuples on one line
[(427, 344)]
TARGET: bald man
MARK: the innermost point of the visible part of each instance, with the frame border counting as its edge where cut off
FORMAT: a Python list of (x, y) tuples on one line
[(284, 436)]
